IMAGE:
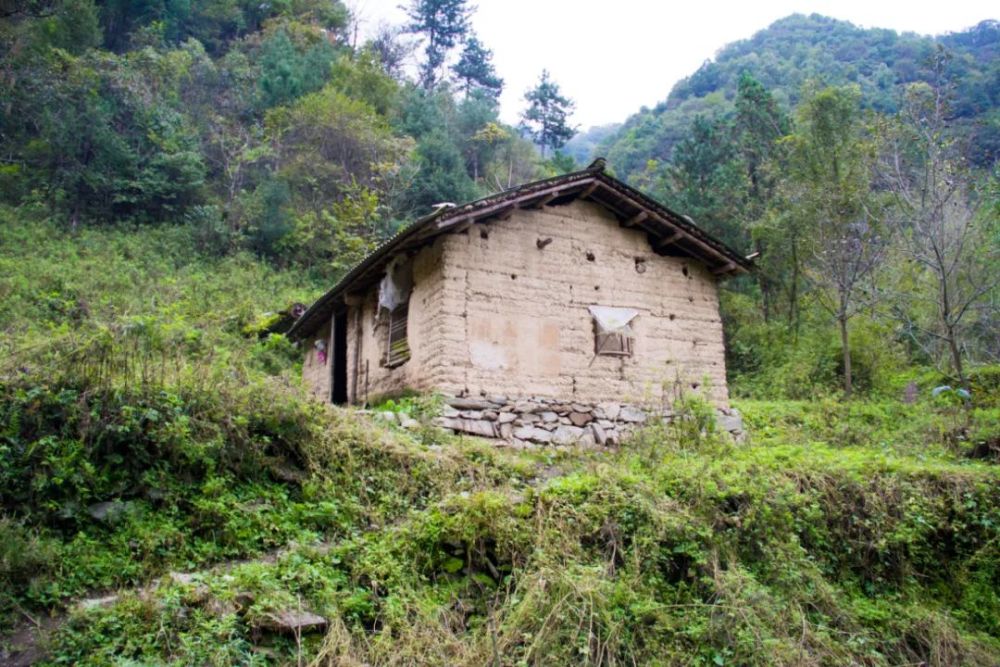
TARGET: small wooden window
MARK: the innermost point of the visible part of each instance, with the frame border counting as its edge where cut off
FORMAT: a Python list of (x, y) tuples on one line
[(398, 348), (613, 335), (614, 344)]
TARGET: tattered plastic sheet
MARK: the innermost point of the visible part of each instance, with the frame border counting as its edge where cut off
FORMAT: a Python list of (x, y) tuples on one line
[(395, 288), (613, 320)]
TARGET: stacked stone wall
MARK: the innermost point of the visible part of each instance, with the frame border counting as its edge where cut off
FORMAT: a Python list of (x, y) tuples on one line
[(545, 421)]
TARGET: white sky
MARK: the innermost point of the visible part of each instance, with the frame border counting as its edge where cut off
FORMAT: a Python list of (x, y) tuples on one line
[(614, 56)]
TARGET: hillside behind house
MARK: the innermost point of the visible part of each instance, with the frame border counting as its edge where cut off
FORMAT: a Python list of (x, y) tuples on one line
[(799, 50)]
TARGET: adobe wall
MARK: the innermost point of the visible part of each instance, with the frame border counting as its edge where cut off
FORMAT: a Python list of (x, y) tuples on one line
[(424, 335), (514, 318), (316, 373)]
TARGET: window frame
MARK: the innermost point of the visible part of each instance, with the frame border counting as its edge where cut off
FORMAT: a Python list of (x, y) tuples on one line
[(397, 335), (614, 344)]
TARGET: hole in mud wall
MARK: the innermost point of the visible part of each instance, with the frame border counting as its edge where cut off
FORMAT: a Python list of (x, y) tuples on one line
[(672, 316), (640, 265), (590, 257), (684, 270), (597, 288), (483, 234), (695, 385), (513, 276)]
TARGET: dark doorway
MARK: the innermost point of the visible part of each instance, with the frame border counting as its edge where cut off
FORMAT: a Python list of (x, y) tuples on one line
[(338, 384)]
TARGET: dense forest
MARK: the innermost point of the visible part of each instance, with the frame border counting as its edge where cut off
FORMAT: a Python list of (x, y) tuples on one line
[(175, 175), (261, 126)]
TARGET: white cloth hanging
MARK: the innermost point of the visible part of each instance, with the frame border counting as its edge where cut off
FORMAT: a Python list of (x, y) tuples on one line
[(613, 320), (394, 290)]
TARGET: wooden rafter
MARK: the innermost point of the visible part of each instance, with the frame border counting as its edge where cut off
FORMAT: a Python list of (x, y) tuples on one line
[(636, 219), (724, 269), (673, 238)]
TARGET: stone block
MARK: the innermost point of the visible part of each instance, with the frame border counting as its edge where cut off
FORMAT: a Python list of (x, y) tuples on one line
[(630, 414), (610, 410), (566, 435), (532, 434), (293, 622), (549, 417), (471, 404), (732, 423), (599, 434), (478, 427), (580, 418), (506, 417)]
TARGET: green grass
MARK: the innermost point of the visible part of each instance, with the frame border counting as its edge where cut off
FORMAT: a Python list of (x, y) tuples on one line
[(839, 533)]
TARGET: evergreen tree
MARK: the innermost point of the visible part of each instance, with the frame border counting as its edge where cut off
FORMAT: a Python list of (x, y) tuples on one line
[(705, 179), (545, 119), (759, 124), (475, 70), (443, 23)]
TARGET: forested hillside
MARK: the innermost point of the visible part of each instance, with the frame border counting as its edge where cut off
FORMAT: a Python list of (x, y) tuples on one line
[(175, 175), (261, 126), (800, 50)]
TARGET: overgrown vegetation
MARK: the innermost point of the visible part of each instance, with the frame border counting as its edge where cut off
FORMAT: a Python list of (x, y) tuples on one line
[(179, 174), (843, 532)]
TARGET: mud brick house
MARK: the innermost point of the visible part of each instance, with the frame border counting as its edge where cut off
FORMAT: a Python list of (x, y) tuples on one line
[(562, 310)]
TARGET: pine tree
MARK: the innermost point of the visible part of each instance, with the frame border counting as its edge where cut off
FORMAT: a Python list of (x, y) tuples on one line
[(443, 23), (475, 70), (545, 118)]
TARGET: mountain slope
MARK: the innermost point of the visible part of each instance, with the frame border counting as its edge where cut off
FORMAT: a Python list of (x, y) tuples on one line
[(798, 49)]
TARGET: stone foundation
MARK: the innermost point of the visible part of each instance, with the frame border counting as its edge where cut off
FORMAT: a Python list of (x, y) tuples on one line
[(546, 421)]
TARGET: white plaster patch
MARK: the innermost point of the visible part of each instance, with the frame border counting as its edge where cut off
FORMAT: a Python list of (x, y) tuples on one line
[(488, 355)]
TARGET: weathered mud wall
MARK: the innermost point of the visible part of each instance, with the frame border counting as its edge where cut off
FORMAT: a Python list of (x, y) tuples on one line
[(502, 309), (367, 377), (516, 294), (316, 372)]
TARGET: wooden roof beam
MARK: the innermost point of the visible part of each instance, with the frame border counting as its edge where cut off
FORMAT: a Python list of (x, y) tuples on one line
[(724, 269), (541, 203), (670, 240), (636, 219), (589, 190)]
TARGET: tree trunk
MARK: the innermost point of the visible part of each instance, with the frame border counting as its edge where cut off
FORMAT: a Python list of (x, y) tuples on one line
[(848, 387), (793, 297), (956, 359), (765, 286)]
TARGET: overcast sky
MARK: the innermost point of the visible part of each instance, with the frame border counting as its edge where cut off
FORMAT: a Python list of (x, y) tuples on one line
[(615, 56)]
